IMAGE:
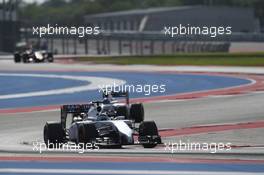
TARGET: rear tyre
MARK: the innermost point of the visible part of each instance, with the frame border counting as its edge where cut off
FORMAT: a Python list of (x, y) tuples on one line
[(50, 57), (137, 112), (25, 58), (17, 58), (149, 130), (122, 111), (54, 134), (86, 134)]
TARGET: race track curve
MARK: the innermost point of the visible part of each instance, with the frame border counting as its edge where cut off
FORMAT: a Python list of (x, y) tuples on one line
[(19, 130)]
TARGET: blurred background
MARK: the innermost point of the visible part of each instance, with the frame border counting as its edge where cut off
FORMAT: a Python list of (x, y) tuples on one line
[(134, 27)]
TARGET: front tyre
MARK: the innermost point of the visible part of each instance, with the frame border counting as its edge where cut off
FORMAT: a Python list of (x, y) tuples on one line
[(148, 134), (137, 112), (54, 134)]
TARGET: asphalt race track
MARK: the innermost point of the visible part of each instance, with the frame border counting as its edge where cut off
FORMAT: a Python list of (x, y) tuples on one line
[(30, 95)]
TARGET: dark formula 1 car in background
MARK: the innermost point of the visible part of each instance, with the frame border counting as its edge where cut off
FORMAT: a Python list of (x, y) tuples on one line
[(28, 54), (106, 123)]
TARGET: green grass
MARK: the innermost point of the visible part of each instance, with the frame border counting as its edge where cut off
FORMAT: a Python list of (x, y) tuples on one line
[(220, 59)]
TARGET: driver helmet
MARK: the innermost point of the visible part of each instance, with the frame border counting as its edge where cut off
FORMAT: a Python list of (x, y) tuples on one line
[(106, 101), (102, 117)]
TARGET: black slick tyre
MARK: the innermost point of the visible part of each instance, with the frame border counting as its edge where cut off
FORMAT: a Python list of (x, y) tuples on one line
[(148, 129), (137, 112), (53, 134)]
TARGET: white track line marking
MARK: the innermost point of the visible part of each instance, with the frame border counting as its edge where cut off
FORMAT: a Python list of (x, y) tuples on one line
[(94, 83), (95, 171)]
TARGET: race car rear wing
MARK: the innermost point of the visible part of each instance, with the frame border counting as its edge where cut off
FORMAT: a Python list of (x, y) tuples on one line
[(76, 108), (118, 94), (72, 109)]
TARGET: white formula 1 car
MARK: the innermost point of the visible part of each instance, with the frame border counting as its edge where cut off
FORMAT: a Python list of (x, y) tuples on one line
[(29, 55), (106, 123)]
